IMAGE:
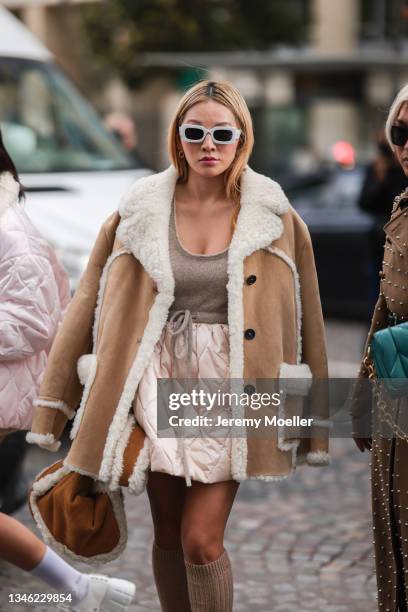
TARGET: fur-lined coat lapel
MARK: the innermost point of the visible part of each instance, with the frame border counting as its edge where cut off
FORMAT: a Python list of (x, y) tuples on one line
[(145, 213)]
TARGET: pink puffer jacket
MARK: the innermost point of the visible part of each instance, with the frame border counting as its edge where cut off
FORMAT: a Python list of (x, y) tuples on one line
[(34, 293)]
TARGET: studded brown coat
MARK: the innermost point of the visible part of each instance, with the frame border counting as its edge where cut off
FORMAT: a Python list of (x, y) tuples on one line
[(390, 452)]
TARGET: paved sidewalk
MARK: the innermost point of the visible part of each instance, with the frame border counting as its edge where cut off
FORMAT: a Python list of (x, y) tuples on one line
[(303, 544)]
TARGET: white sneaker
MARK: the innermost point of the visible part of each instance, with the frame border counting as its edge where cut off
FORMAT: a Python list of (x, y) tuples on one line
[(105, 595)]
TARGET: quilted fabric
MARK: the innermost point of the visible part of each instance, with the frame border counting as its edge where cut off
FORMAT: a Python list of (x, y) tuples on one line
[(389, 349), (209, 458), (34, 293)]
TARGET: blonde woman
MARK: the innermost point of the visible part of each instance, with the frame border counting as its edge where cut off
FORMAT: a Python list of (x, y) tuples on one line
[(389, 445), (206, 273)]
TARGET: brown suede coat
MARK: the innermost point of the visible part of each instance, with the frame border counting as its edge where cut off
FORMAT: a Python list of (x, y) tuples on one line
[(121, 307), (389, 477)]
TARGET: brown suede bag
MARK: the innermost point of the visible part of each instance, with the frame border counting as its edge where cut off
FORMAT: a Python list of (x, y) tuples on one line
[(79, 517)]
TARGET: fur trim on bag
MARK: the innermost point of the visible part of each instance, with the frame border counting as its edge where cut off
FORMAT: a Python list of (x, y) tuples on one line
[(41, 486)]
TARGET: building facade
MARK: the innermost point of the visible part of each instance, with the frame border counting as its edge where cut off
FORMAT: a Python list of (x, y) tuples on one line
[(336, 87)]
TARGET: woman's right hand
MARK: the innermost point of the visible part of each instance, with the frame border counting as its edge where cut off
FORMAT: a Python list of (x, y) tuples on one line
[(363, 443)]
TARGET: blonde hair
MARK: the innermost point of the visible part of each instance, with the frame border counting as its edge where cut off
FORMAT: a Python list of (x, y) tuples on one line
[(227, 95), (400, 98)]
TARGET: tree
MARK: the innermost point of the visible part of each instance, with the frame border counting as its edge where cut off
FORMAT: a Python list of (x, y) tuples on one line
[(120, 30)]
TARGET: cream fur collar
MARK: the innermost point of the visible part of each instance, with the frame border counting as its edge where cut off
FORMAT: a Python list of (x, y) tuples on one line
[(145, 211)]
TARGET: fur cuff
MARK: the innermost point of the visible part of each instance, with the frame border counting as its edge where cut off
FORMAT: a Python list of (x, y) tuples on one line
[(318, 458), (295, 379), (46, 441), (57, 405)]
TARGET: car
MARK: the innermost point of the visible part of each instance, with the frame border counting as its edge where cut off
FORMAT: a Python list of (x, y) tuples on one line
[(73, 170), (342, 238)]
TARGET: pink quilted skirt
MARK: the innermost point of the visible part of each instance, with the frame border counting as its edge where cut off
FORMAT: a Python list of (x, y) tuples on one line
[(205, 459)]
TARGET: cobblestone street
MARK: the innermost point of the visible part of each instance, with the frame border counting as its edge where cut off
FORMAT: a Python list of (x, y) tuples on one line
[(296, 545)]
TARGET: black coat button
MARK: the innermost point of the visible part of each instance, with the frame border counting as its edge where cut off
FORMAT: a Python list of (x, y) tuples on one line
[(249, 334), (250, 389), (251, 279)]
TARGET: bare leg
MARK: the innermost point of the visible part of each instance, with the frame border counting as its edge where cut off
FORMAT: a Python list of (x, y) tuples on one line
[(194, 518), (206, 511), (18, 545), (208, 568)]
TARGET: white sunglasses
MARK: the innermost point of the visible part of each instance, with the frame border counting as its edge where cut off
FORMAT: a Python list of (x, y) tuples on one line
[(197, 133)]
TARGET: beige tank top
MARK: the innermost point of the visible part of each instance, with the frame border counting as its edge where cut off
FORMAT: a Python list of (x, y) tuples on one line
[(200, 296), (200, 280)]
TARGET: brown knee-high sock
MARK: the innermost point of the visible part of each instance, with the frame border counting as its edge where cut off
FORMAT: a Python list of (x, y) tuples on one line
[(210, 585), (169, 574)]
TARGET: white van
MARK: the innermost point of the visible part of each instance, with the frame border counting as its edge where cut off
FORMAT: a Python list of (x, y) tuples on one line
[(73, 170)]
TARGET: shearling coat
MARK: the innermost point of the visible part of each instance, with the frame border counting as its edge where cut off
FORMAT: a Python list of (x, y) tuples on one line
[(121, 307)]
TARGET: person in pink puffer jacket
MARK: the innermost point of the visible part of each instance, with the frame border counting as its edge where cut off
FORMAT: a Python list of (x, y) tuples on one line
[(34, 293)]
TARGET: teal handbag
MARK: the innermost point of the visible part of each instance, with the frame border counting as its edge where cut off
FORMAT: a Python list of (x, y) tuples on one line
[(389, 353)]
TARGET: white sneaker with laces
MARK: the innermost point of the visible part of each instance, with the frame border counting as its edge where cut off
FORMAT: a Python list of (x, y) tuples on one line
[(105, 595)]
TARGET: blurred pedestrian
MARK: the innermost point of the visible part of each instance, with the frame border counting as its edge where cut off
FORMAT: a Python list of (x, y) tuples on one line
[(123, 127), (204, 271), (390, 450), (34, 293), (384, 179)]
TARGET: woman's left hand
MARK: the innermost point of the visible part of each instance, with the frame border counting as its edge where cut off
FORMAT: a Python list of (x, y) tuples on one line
[(363, 443)]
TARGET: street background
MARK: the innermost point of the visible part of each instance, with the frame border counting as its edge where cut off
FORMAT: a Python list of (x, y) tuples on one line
[(304, 543), (318, 77)]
